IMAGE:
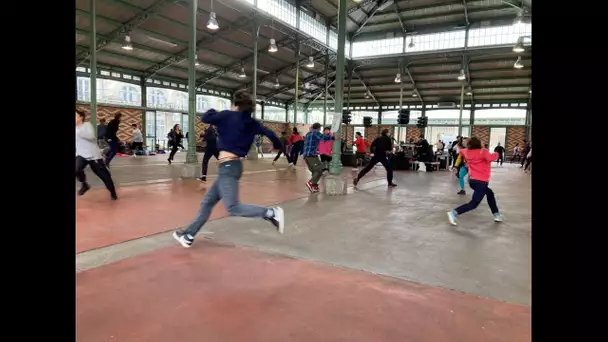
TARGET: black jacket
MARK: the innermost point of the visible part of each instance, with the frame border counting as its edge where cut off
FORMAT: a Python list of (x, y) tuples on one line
[(381, 145), (176, 138), (112, 129)]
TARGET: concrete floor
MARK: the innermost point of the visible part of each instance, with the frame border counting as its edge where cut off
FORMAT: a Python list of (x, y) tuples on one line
[(401, 233)]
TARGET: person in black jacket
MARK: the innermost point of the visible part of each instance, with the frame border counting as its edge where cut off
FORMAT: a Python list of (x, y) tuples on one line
[(175, 141), (501, 154), (210, 136), (381, 147), (112, 138)]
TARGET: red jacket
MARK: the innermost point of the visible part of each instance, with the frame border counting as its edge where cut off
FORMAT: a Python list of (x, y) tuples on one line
[(478, 162), (361, 145)]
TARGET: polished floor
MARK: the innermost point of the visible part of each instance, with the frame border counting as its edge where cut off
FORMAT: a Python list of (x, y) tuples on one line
[(375, 265)]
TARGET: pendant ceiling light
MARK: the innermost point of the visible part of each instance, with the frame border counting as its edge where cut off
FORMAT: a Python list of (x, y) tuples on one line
[(273, 46), (212, 22), (242, 74), (518, 64), (519, 46), (127, 43), (311, 62), (462, 76)]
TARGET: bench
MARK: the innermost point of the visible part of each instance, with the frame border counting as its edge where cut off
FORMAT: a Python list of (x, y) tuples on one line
[(434, 165)]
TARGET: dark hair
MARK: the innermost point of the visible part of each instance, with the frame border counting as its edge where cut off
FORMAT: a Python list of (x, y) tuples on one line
[(316, 125), (421, 136), (175, 126), (102, 121), (295, 130), (384, 131), (283, 133), (358, 133), (134, 125), (474, 144), (329, 128), (82, 114), (243, 100), (117, 116)]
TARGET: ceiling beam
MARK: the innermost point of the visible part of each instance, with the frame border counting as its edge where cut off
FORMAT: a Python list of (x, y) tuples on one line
[(293, 85), (348, 16), (366, 18), (126, 28), (285, 69), (367, 89)]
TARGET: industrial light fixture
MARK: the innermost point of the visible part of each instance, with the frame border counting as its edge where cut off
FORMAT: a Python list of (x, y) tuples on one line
[(367, 94), (519, 46), (411, 44), (415, 93), (518, 64), (127, 43), (273, 46), (530, 91), (469, 91), (212, 22), (398, 78), (519, 20), (242, 74), (462, 76), (311, 62), (196, 63), (277, 84)]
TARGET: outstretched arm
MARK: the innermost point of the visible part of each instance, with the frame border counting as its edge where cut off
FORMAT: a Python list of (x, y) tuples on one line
[(276, 142), (211, 116), (489, 156)]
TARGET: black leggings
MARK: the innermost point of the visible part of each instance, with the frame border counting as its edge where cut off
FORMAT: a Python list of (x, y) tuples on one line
[(281, 151), (385, 162), (173, 151), (99, 169), (213, 152)]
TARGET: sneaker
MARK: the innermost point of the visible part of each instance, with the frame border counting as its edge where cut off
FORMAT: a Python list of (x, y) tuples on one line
[(83, 190), (310, 187), (498, 218), (277, 219), (392, 185), (461, 192), (113, 197), (184, 239), (273, 162), (355, 181), (169, 160), (203, 179), (315, 189), (452, 218), (290, 165)]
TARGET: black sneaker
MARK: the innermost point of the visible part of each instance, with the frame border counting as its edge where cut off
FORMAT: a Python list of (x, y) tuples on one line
[(461, 192), (202, 179), (356, 181), (392, 185), (184, 239), (277, 219), (113, 197), (169, 160), (83, 189)]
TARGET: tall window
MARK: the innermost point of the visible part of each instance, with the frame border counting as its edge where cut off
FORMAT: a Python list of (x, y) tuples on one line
[(498, 35), (129, 95), (497, 135), (378, 47), (315, 115), (272, 113), (436, 41), (500, 116), (201, 103), (448, 117), (156, 98), (83, 89)]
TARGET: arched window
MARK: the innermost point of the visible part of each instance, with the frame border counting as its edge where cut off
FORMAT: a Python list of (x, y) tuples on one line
[(156, 98), (129, 95)]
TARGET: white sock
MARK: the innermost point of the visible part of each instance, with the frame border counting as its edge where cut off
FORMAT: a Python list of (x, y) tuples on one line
[(270, 213)]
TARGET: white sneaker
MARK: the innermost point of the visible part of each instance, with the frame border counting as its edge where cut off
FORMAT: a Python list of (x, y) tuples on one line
[(278, 219), (498, 217)]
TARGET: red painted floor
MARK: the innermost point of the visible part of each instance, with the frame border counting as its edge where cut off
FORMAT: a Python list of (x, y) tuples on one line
[(144, 210), (220, 293)]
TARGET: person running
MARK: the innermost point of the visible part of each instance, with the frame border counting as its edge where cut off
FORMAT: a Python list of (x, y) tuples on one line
[(325, 149), (381, 147), (210, 137), (259, 140), (297, 142), (283, 150), (138, 140), (112, 137), (309, 153), (361, 145), (237, 129), (175, 137), (524, 153), (478, 161), (501, 154), (515, 153), (88, 153)]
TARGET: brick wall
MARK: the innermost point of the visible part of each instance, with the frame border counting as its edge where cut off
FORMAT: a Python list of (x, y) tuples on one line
[(129, 116), (515, 134), (482, 133), (412, 132)]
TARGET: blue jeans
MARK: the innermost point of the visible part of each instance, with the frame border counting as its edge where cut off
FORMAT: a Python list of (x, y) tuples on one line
[(296, 149), (480, 190), (113, 150), (463, 172), (225, 188)]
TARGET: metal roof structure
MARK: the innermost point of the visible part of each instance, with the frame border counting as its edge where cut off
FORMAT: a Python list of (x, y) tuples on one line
[(158, 31)]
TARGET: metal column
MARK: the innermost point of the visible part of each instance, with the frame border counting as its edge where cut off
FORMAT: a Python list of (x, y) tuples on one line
[(93, 74), (253, 151), (191, 155), (262, 105), (297, 89), (461, 109), (144, 104), (400, 102), (326, 87), (335, 166)]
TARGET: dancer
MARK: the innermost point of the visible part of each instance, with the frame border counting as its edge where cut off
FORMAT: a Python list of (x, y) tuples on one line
[(237, 130), (88, 153), (515, 153), (210, 136), (297, 142), (478, 160), (501, 154), (311, 146), (361, 145), (112, 137), (138, 140), (381, 147), (175, 141), (258, 146), (461, 170), (325, 149), (283, 150)]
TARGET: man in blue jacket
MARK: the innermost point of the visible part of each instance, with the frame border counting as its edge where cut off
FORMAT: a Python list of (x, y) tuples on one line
[(237, 129)]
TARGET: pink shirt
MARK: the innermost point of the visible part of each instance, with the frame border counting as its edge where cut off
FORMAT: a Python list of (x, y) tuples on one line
[(479, 162), (325, 147)]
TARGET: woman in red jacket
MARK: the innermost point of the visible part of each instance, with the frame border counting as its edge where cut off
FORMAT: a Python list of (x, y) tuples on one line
[(478, 161), (297, 142)]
